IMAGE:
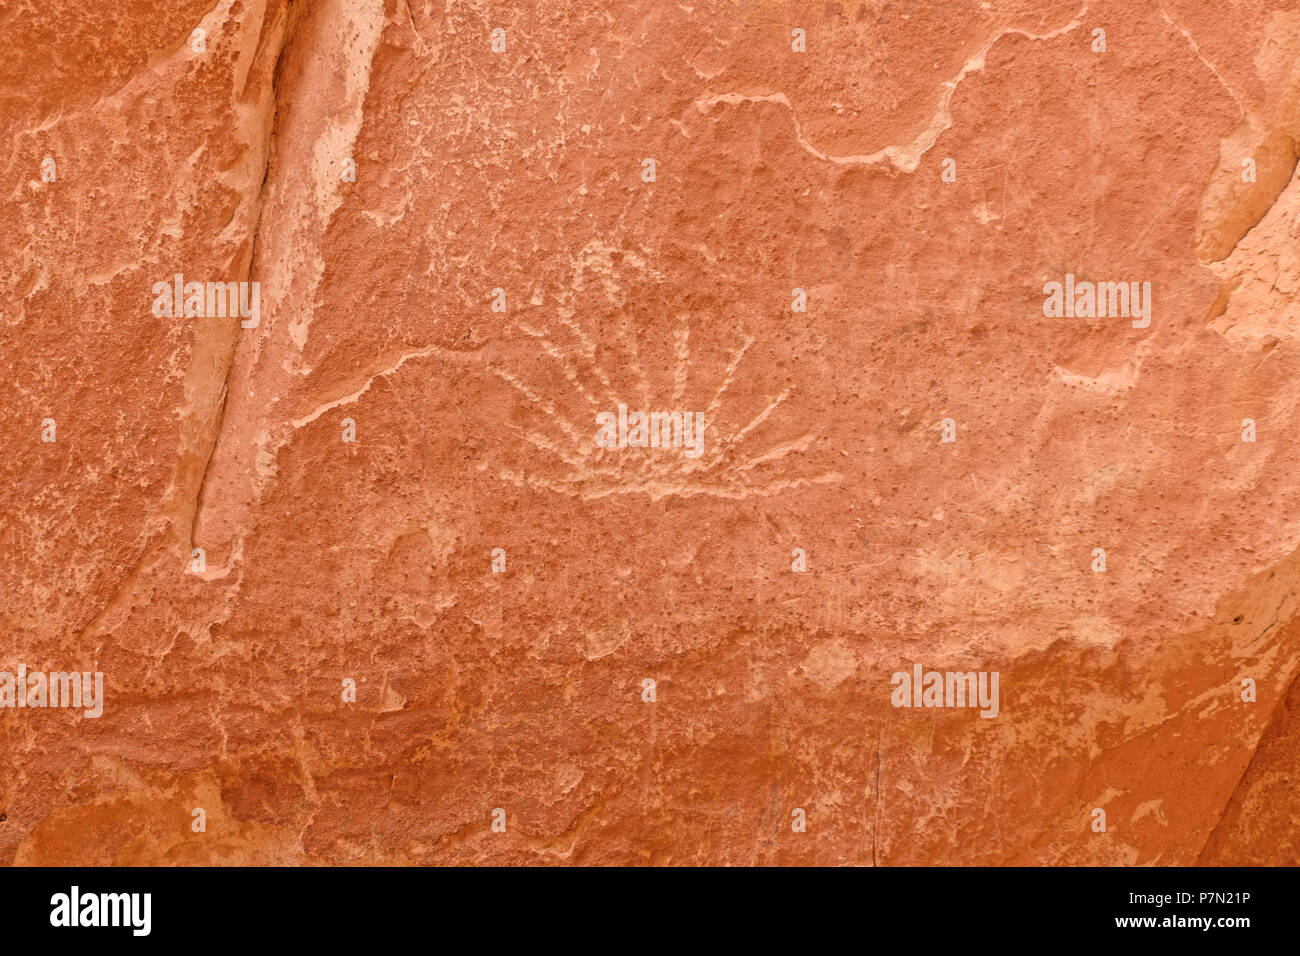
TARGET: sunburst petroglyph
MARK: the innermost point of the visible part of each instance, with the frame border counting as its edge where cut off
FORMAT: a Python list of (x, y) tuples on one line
[(577, 371)]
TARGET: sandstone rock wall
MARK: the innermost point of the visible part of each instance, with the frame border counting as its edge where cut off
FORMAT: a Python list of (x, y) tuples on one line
[(463, 257)]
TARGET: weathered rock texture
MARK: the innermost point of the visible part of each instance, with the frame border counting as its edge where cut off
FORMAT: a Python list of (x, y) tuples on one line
[(522, 171)]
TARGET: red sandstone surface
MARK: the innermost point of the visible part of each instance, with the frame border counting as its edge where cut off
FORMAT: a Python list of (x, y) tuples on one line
[(463, 258)]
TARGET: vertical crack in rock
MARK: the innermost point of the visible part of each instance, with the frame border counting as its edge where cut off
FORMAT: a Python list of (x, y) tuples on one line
[(214, 342), (262, 143), (320, 82)]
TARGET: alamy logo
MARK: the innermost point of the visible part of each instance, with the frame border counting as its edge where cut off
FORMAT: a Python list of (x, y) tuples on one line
[(102, 909), (1098, 300), (179, 299), (55, 689), (946, 689), (651, 430)]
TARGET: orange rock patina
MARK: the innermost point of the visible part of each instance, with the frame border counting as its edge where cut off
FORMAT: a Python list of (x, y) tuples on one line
[(363, 585)]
